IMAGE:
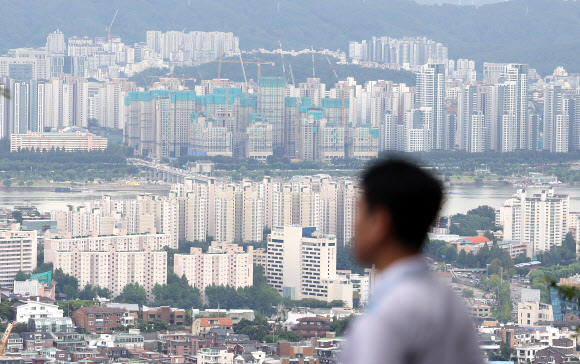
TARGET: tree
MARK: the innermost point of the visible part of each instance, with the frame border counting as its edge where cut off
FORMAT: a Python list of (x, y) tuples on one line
[(260, 297), (462, 259), (177, 293), (67, 284), (339, 326), (468, 293), (7, 183), (569, 243), (256, 329), (21, 276), (133, 293), (6, 312)]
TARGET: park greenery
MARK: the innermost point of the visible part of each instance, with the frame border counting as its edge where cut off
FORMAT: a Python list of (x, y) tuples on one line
[(237, 168), (481, 218), (499, 259), (500, 165), (176, 293), (28, 167), (456, 166), (502, 310)]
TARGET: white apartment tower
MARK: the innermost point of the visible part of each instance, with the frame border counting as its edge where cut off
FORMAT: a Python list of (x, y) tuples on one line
[(314, 253), (512, 120), (431, 93), (539, 220), (556, 119), (17, 252)]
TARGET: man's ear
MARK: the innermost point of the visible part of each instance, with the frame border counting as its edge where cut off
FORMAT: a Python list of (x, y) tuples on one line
[(381, 227)]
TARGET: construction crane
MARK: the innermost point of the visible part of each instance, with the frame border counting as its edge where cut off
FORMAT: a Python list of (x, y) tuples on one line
[(332, 67), (313, 72), (109, 28), (291, 74), (243, 69), (6, 336), (258, 62), (282, 56)]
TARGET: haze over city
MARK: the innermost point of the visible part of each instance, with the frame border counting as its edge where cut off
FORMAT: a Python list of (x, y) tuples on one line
[(182, 183)]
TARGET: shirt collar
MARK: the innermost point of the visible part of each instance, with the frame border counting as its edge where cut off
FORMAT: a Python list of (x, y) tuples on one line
[(402, 267)]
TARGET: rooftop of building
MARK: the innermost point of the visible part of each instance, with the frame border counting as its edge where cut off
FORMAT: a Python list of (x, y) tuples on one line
[(95, 309), (313, 319), (478, 239), (211, 321)]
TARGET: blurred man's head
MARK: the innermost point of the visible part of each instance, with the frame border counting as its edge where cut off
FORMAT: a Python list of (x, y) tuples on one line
[(398, 204)]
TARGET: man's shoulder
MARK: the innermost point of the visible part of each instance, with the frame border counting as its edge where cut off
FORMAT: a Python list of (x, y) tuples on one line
[(427, 294)]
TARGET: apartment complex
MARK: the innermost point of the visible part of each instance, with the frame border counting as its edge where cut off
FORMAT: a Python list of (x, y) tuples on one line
[(112, 261), (17, 253), (314, 253), (411, 51), (223, 265), (181, 48)]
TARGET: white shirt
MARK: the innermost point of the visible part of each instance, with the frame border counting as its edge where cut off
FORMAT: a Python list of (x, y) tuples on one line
[(413, 318)]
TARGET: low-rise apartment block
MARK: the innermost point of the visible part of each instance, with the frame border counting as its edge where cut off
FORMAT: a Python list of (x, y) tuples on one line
[(223, 265), (112, 261), (66, 140), (101, 319), (173, 316), (532, 313)]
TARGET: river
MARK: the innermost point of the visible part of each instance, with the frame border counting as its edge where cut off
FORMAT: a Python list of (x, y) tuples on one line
[(460, 198)]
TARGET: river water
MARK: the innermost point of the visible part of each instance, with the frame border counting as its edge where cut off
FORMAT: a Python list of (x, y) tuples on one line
[(460, 198)]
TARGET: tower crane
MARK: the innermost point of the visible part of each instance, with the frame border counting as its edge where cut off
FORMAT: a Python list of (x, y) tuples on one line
[(109, 28), (313, 72), (291, 74), (332, 68), (243, 69), (282, 56), (5, 337)]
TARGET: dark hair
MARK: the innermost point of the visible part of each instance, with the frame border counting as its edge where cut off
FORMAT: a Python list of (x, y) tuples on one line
[(411, 195)]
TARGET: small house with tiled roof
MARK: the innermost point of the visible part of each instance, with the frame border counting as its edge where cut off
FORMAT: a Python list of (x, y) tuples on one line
[(201, 326)]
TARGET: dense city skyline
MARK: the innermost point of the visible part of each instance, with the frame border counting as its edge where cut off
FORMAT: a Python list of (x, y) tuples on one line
[(234, 241)]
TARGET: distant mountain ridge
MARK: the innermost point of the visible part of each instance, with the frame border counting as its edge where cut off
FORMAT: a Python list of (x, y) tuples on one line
[(540, 32)]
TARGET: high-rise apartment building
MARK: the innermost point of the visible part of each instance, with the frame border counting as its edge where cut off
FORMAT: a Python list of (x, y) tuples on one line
[(512, 121), (539, 220), (431, 93), (159, 123), (302, 264), (471, 133), (271, 92), (17, 253), (556, 119)]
